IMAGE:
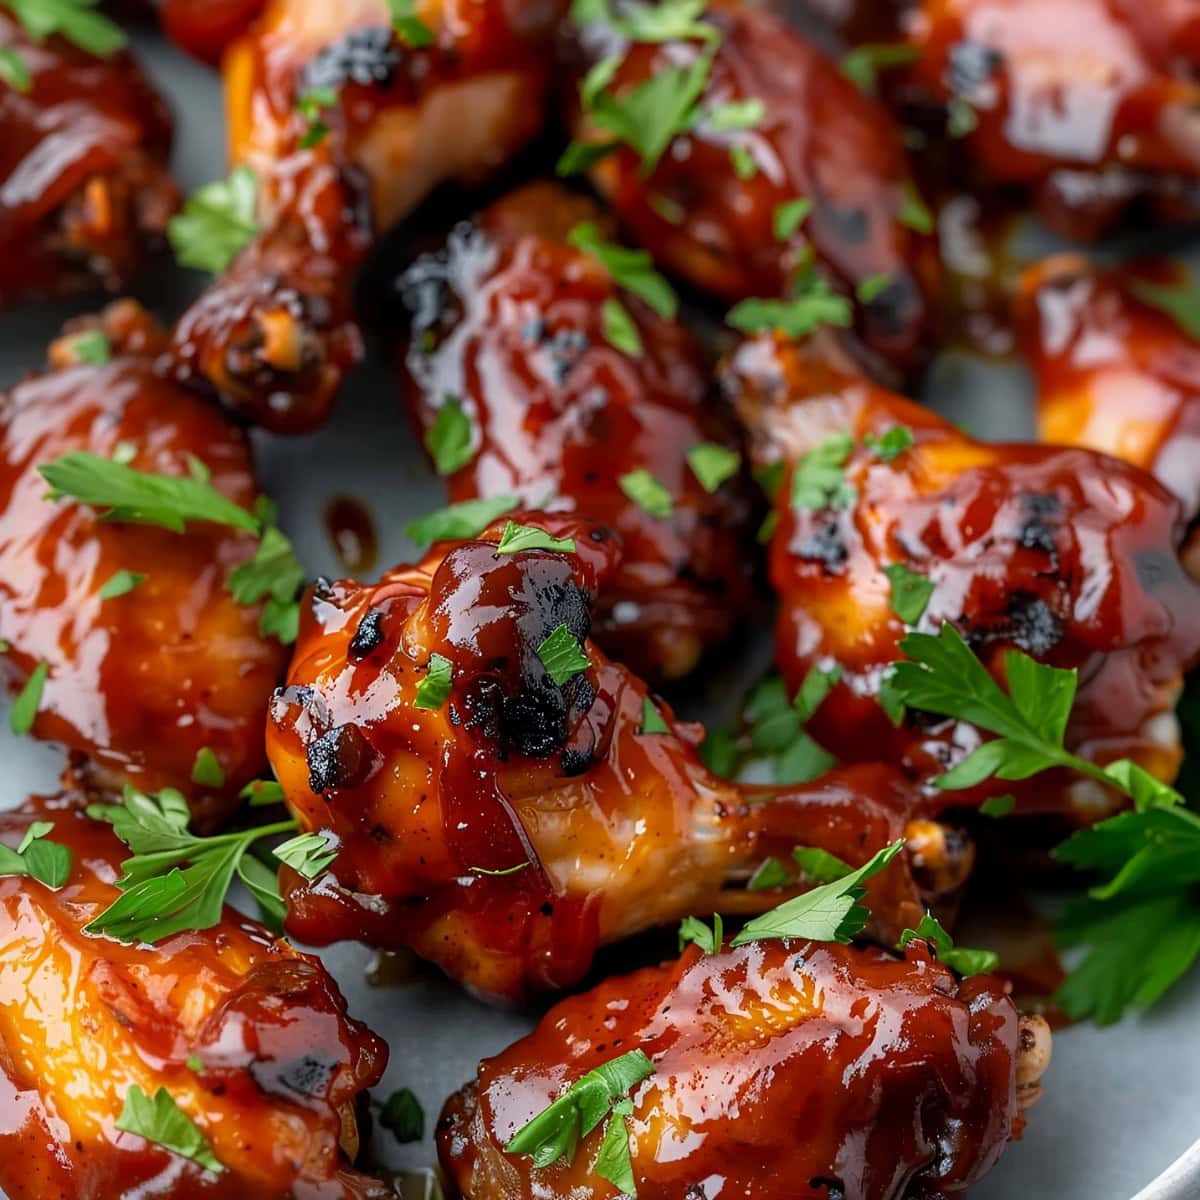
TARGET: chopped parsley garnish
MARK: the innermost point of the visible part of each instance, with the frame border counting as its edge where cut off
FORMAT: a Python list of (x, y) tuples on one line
[(562, 655), (207, 770), (957, 958), (1180, 303), (871, 288), (194, 1063), (647, 493), (435, 687), (75, 20), (47, 862), (736, 114), (309, 854), (175, 880), (448, 439), (709, 939), (600, 1095), (913, 212), (262, 793), (652, 721), (777, 727), (891, 443), (829, 913), (713, 464), (742, 161), (92, 347), (911, 592), (120, 583), (998, 806), (217, 221), (816, 304), (789, 216), (13, 70), (619, 330), (275, 575), (463, 520), (819, 479), (961, 117), (819, 865), (631, 269), (311, 105), (526, 537), (25, 707), (862, 65), (164, 1123), (769, 875), (410, 29), (817, 684), (403, 1116)]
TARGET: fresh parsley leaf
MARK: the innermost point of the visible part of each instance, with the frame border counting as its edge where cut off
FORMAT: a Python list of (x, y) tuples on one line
[(164, 1123), (890, 700), (777, 727), (961, 117), (526, 537), (207, 770), (647, 493), (194, 1064), (435, 687), (819, 480), (670, 210), (613, 1160), (449, 437), (789, 216), (463, 520), (818, 683), (742, 161), (217, 221), (74, 20), (891, 443), (262, 793), (579, 157), (713, 464), (619, 329), (631, 269), (562, 655), (913, 212), (47, 862), (736, 114), (25, 707), (871, 288), (311, 854), (120, 583), (275, 575), (769, 874), (668, 21), (403, 1116), (911, 592), (804, 760), (819, 865), (410, 29), (652, 721), (599, 76), (692, 929), (13, 70), (92, 347), (719, 752), (862, 65), (263, 884), (830, 913), (1181, 303), (998, 806), (817, 305), (957, 958), (311, 105), (139, 496)]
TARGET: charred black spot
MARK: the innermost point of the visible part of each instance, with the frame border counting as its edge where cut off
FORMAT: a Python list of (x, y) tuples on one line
[(340, 758), (364, 56), (482, 702), (851, 225), (835, 1189), (369, 634), (575, 761), (305, 1077), (564, 349), (1038, 511), (534, 721), (1035, 628), (580, 694), (825, 544), (558, 602), (897, 307)]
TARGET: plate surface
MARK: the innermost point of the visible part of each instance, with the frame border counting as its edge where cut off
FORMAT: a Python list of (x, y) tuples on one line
[(1121, 1105)]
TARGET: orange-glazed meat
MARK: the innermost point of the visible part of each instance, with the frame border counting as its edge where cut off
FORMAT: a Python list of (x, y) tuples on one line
[(248, 1037), (276, 335), (782, 1071), (819, 140), (140, 683), (1065, 554), (507, 823), (84, 188), (507, 323), (206, 27), (1114, 373)]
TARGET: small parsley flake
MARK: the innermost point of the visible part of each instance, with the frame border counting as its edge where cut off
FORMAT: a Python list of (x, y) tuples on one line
[(647, 493), (562, 655), (433, 690)]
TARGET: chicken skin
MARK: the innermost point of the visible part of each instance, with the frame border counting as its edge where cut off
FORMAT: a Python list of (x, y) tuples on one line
[(84, 188), (1065, 554), (781, 1071), (819, 140), (248, 1037), (511, 818), (140, 683), (276, 334), (205, 28), (507, 323), (1115, 373)]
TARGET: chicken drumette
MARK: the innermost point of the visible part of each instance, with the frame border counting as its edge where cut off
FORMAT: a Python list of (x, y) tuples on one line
[(450, 94), (781, 1071), (718, 205), (504, 798), (508, 326), (139, 683), (206, 28), (249, 1039), (84, 188), (1065, 554)]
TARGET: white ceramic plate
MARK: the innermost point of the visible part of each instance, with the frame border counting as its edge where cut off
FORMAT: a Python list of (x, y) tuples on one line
[(1122, 1105)]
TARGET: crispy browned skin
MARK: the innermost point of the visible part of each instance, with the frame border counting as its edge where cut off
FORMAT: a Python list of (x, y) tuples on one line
[(140, 683), (83, 1019), (205, 28), (604, 830), (1113, 373), (84, 188), (277, 333), (507, 318), (783, 1071), (821, 139), (1066, 554)]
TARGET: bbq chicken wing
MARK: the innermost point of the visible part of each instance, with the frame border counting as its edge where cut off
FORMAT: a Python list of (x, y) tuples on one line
[(781, 1071), (249, 1039), (724, 226), (397, 116), (504, 798), (1115, 372), (507, 323), (84, 188), (139, 683), (206, 28), (1065, 554)]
